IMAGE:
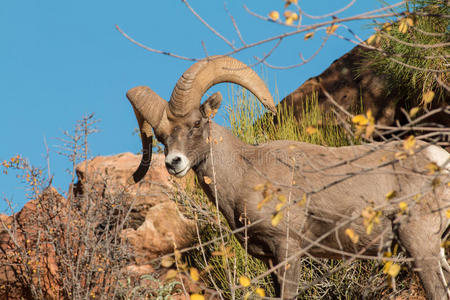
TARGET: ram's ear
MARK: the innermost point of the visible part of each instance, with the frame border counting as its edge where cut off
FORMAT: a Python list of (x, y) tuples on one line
[(210, 107)]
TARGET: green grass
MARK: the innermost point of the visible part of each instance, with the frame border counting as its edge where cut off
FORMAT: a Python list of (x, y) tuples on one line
[(250, 122)]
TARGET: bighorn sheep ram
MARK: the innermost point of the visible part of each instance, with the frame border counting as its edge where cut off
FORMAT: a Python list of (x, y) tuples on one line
[(326, 190)]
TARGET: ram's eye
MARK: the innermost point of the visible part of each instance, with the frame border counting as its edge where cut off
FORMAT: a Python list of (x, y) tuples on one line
[(197, 124)]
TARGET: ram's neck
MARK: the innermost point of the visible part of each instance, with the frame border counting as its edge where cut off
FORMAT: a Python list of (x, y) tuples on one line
[(222, 172)]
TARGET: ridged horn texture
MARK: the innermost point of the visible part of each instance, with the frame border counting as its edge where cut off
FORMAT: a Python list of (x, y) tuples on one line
[(190, 88), (149, 109)]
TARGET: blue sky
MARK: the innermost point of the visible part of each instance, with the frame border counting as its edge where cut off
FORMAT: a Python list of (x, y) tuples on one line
[(61, 60)]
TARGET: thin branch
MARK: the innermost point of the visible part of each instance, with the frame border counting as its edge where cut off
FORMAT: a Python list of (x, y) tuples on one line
[(424, 46), (236, 28), (332, 13), (441, 83), (304, 61), (154, 50), (208, 26), (418, 68)]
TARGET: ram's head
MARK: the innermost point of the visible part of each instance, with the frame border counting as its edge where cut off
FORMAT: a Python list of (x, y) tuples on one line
[(181, 123)]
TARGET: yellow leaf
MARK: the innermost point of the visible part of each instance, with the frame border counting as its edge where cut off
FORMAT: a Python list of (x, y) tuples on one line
[(403, 206), (447, 213), (264, 201), (279, 206), (197, 297), (282, 198), (391, 194), (260, 292), (258, 187), (413, 111), (393, 270), (417, 197), (171, 274), (432, 168), (371, 39), (291, 15), (387, 26), (403, 27), (311, 130), (387, 266), (360, 120), (309, 35), (289, 2), (194, 274), (409, 143), (369, 228), (352, 235), (303, 201), (244, 281), (277, 218), (409, 21), (207, 179), (274, 15), (428, 97), (167, 261), (332, 29), (400, 155), (289, 21)]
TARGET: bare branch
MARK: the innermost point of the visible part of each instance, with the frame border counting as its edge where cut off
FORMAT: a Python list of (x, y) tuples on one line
[(207, 25), (330, 14), (154, 50), (236, 28)]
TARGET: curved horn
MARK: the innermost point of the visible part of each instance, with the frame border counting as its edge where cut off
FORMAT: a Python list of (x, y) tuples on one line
[(148, 108), (190, 88)]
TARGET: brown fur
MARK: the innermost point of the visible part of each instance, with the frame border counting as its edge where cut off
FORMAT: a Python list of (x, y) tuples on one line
[(340, 184)]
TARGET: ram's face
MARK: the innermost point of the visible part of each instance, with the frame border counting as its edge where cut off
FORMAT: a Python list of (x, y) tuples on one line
[(182, 123), (185, 139)]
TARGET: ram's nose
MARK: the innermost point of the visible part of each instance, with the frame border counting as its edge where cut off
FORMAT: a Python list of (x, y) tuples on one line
[(177, 164)]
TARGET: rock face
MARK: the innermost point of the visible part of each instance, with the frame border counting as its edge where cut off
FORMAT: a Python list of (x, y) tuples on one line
[(352, 82), (155, 225)]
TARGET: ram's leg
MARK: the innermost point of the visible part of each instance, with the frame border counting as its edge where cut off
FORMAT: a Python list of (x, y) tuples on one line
[(421, 238), (288, 275)]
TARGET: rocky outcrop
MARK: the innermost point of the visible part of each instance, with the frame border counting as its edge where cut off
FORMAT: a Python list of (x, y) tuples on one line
[(155, 227), (354, 85), (156, 224)]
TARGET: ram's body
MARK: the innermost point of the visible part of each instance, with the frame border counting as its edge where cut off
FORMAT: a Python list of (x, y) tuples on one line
[(340, 183), (320, 191)]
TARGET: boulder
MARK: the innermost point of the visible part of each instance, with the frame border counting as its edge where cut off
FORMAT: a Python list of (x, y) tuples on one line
[(156, 224), (164, 230), (355, 86)]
